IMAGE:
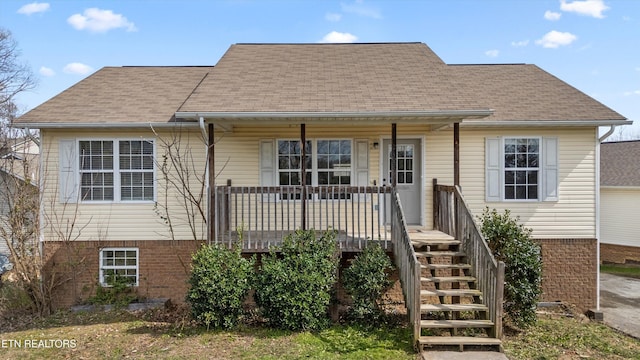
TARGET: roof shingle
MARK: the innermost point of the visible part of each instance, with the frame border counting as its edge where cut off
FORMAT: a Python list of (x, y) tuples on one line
[(620, 163), (114, 95)]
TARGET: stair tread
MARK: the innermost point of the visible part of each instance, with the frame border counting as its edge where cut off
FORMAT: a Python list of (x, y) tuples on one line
[(425, 242), (445, 266), (451, 292), (446, 324), (456, 340), (435, 253), (448, 279), (453, 307)]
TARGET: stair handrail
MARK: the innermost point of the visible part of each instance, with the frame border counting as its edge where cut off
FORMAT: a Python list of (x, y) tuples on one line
[(407, 263), (453, 216), (488, 271)]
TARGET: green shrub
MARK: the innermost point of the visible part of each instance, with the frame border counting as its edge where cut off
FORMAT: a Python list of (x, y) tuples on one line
[(294, 287), (119, 293), (366, 280), (220, 280), (511, 242)]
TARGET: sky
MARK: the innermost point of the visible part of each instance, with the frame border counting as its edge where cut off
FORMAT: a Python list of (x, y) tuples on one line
[(594, 45)]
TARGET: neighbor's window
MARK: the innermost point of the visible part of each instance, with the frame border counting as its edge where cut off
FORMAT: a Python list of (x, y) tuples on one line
[(119, 264), (521, 168), (128, 179)]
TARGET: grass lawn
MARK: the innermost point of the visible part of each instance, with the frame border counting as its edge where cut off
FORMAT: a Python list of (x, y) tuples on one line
[(622, 270), (161, 334)]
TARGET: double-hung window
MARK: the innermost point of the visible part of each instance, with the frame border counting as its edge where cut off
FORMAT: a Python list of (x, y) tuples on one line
[(327, 162), (119, 264), (116, 170), (521, 169)]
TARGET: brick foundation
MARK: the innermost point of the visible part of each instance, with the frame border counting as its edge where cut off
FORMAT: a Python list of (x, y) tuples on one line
[(619, 254), (163, 268), (570, 271)]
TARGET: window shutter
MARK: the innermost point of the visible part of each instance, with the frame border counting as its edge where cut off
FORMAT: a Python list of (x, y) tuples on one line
[(361, 162), (550, 169), (493, 185), (68, 186), (267, 163)]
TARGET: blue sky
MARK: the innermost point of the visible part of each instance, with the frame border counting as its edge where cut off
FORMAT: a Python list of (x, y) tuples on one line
[(593, 45)]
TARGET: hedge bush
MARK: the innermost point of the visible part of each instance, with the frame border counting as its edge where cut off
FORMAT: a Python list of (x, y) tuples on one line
[(366, 280), (511, 242), (293, 287), (220, 280)]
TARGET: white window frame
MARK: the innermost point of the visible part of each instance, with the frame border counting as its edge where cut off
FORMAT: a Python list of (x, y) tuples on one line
[(103, 267), (503, 168), (314, 161), (117, 196)]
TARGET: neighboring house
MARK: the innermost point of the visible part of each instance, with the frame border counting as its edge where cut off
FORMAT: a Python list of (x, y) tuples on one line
[(620, 202), (18, 167), (511, 136)]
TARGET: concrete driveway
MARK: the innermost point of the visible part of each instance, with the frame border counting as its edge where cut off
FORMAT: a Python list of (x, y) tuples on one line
[(620, 303)]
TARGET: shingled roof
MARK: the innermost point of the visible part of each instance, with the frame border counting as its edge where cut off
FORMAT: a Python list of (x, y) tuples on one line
[(620, 163), (321, 78), (523, 92), (121, 95), (329, 78)]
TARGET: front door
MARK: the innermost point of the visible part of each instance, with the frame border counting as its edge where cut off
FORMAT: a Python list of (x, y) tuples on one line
[(409, 176)]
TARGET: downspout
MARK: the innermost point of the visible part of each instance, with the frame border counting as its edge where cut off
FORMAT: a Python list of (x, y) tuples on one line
[(31, 137), (205, 136), (600, 139)]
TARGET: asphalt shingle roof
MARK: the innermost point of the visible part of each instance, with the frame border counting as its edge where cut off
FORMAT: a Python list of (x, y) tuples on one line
[(620, 163), (329, 78), (115, 95), (379, 77)]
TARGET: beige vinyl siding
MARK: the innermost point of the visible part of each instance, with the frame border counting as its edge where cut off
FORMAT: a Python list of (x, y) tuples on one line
[(573, 215), (619, 209), (238, 159), (111, 221)]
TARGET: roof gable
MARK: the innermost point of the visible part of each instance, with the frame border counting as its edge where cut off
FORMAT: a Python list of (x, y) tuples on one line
[(376, 77), (620, 163)]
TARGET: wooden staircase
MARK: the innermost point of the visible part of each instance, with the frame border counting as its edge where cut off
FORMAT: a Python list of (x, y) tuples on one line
[(452, 312)]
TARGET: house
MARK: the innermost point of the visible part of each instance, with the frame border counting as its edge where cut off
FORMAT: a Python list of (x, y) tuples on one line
[(145, 163), (620, 202), (18, 179)]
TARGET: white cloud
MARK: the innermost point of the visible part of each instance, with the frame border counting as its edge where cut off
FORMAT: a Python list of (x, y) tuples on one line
[(338, 37), (360, 9), (521, 43), (492, 53), (98, 20), (77, 69), (554, 39), (552, 16), (33, 8), (333, 17), (629, 93), (45, 71), (592, 8)]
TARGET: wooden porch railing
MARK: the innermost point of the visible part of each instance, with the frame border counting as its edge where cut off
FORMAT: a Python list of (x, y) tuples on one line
[(452, 216), (261, 216), (407, 263)]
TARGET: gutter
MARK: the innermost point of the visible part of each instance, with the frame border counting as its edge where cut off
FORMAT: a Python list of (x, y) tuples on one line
[(31, 137), (103, 125), (479, 113), (607, 134), (541, 123)]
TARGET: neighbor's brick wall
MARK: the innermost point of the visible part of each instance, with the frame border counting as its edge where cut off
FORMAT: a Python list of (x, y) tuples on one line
[(163, 268), (619, 254), (570, 271)]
